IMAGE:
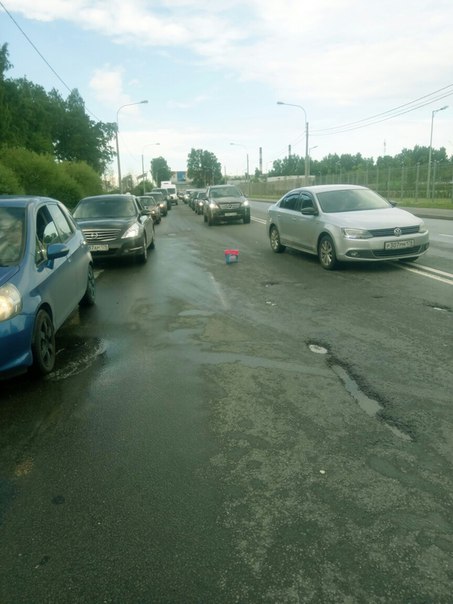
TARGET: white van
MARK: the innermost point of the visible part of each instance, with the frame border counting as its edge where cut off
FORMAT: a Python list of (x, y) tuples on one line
[(171, 188)]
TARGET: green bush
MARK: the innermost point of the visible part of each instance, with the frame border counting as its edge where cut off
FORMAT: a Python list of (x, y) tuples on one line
[(30, 173), (86, 178), (9, 184)]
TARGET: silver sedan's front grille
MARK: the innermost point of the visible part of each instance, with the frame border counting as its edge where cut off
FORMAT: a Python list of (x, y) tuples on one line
[(390, 232), (98, 235)]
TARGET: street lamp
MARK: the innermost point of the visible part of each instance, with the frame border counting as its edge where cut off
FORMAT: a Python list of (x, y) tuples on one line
[(117, 141), (143, 164), (247, 175), (307, 154), (431, 149)]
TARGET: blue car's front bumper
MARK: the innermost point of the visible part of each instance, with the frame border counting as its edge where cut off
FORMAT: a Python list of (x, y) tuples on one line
[(15, 338)]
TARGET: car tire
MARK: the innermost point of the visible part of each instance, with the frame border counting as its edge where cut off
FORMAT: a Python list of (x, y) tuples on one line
[(43, 345), (274, 238), (89, 297), (210, 220), (326, 253), (247, 219), (205, 218), (144, 254)]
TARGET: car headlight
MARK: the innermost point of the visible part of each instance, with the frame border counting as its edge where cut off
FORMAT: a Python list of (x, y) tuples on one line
[(213, 205), (132, 231), (10, 302), (422, 228), (350, 233), (245, 202)]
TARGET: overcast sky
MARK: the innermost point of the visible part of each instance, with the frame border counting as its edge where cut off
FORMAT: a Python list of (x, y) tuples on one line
[(212, 73)]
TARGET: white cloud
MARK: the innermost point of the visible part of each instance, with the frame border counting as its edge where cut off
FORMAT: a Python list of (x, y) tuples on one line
[(331, 56)]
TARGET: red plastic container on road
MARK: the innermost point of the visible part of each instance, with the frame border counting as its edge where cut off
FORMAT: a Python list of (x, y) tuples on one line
[(231, 256)]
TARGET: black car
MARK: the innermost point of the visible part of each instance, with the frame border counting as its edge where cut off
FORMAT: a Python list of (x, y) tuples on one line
[(225, 203), (165, 194), (115, 226), (161, 200), (151, 204)]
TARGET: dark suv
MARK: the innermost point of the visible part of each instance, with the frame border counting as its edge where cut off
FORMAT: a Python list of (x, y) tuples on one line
[(225, 202)]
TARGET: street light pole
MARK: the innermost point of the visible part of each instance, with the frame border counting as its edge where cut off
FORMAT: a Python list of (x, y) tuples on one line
[(431, 149), (117, 140), (247, 175), (143, 164), (307, 153)]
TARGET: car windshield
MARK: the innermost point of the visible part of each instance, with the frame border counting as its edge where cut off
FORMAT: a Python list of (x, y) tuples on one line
[(12, 235), (225, 192), (148, 201), (351, 200), (105, 207)]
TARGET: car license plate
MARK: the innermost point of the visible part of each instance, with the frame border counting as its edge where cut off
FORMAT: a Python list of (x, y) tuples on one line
[(399, 245), (98, 247), (230, 213)]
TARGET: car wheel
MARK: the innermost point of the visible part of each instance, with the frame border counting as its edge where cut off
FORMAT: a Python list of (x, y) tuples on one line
[(205, 218), (274, 238), (152, 245), (43, 345), (144, 255), (89, 296), (247, 219), (326, 253), (210, 220)]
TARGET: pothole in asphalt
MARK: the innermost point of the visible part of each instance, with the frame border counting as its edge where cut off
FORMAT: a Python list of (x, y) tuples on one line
[(317, 349), (440, 307), (371, 407)]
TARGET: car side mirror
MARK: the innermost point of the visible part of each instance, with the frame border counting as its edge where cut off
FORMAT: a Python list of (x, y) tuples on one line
[(309, 211), (57, 250)]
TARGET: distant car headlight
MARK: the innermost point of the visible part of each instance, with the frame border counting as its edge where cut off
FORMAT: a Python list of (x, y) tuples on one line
[(422, 228), (350, 233), (10, 302), (213, 205), (245, 202), (132, 231)]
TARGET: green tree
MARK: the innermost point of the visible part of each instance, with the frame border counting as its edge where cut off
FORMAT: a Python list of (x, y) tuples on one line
[(203, 168), (48, 124), (160, 170), (77, 137)]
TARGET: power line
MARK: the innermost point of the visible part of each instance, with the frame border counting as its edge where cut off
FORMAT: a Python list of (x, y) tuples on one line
[(41, 55), (394, 113)]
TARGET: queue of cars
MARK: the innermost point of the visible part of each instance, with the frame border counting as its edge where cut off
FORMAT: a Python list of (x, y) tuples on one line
[(46, 270), (220, 203), (47, 255), (47, 260)]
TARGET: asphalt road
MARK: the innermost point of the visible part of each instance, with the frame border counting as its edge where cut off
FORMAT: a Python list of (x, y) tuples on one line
[(264, 431)]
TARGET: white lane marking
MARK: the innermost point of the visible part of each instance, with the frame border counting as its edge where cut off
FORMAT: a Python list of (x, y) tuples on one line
[(260, 220), (425, 273)]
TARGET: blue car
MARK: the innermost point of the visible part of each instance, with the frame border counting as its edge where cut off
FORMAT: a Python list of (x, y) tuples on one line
[(46, 270)]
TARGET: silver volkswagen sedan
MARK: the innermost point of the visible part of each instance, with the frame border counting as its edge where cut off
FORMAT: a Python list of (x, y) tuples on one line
[(340, 223)]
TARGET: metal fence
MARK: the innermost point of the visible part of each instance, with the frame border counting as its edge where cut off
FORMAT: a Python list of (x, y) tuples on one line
[(412, 182)]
